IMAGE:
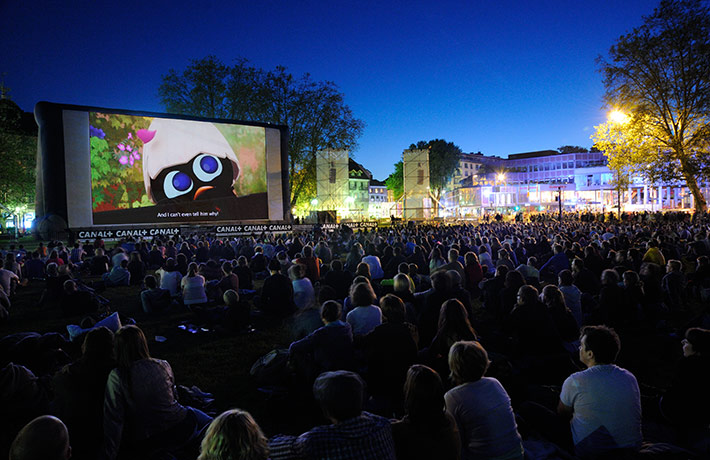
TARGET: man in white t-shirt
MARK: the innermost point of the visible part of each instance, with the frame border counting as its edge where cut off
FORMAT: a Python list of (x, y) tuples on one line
[(603, 401)]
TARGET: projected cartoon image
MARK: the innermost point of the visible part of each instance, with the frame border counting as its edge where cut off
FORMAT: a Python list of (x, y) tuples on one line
[(147, 169), (184, 162)]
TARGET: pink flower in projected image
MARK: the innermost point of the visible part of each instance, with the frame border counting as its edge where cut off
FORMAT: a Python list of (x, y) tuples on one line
[(131, 160), (137, 155), (129, 148), (121, 147), (130, 135), (124, 160)]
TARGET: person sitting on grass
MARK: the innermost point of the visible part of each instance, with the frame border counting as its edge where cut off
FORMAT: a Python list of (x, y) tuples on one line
[(153, 298), (141, 411), (603, 401), (328, 348), (118, 276), (76, 301), (353, 434), (427, 431), (365, 316), (193, 287), (234, 435), (481, 407), (170, 277)]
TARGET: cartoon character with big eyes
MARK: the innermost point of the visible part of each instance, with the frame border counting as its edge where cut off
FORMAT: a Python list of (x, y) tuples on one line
[(186, 161)]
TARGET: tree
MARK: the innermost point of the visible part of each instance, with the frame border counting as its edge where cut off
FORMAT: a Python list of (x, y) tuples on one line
[(443, 163), (395, 181), (572, 149), (314, 111), (18, 149), (660, 75)]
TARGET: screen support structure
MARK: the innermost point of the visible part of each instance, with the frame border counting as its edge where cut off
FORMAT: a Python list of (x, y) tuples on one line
[(332, 179), (416, 184)]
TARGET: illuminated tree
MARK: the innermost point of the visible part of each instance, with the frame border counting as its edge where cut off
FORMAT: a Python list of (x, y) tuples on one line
[(18, 150), (314, 111), (659, 74), (395, 181)]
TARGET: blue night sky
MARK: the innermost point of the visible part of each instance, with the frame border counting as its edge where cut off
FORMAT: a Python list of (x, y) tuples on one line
[(497, 77)]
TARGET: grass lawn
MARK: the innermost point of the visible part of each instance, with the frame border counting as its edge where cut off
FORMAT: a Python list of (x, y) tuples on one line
[(217, 362)]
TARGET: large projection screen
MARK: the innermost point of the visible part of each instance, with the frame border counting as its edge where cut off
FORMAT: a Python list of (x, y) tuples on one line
[(105, 167)]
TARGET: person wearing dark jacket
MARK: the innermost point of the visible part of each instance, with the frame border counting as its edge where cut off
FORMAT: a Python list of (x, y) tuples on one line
[(328, 348), (389, 351)]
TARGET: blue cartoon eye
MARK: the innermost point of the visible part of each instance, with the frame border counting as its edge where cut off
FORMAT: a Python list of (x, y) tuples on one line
[(177, 183), (206, 167)]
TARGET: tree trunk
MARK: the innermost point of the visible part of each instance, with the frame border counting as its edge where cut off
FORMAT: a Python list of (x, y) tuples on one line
[(701, 205)]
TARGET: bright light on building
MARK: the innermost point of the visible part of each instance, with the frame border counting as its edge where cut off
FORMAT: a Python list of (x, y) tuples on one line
[(314, 202), (500, 177)]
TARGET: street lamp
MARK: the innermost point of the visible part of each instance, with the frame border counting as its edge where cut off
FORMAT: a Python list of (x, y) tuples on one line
[(618, 117)]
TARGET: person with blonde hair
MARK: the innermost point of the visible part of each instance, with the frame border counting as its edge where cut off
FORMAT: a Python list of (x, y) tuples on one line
[(234, 435)]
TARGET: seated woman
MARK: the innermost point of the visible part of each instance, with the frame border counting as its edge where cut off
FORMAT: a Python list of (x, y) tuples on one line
[(141, 412), (481, 407), (303, 293), (365, 316), (453, 326), (193, 287), (427, 431), (234, 435)]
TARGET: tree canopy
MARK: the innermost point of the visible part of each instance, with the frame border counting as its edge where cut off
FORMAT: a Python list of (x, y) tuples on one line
[(314, 111), (572, 149), (18, 149), (395, 181), (659, 75)]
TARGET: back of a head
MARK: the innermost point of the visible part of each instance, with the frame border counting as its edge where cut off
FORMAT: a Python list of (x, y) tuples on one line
[(528, 294), (393, 309), (130, 346), (340, 394), (440, 281), (401, 283), (336, 265), (603, 341), (423, 395), (230, 297), (362, 294), (44, 438), (468, 362), (454, 278), (234, 435), (331, 311), (98, 345)]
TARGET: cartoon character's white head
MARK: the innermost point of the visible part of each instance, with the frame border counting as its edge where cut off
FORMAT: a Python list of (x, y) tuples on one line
[(183, 159)]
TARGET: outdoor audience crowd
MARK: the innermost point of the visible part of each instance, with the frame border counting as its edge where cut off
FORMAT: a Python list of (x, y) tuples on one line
[(498, 340)]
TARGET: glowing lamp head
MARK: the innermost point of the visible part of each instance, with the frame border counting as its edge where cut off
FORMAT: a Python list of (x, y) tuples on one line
[(619, 117), (500, 177)]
